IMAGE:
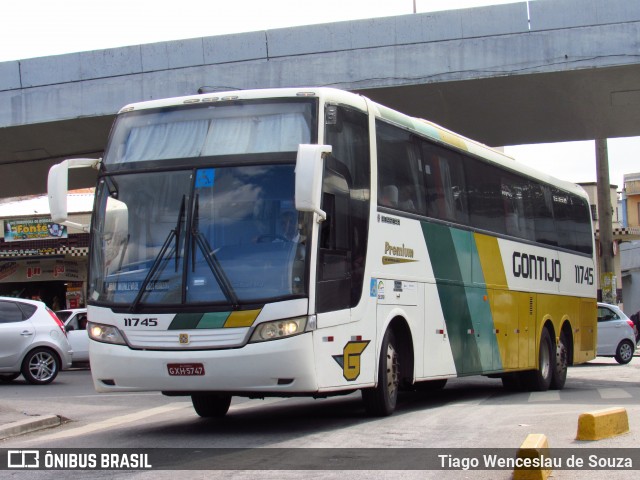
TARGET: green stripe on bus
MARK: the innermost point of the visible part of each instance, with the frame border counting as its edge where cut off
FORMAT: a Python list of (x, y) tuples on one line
[(213, 320), (464, 298), (453, 298), (190, 321), (185, 321)]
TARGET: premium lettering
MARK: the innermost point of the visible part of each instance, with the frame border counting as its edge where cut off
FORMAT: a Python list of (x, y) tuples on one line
[(398, 251)]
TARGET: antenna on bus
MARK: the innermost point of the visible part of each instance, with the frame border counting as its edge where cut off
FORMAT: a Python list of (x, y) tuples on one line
[(214, 89)]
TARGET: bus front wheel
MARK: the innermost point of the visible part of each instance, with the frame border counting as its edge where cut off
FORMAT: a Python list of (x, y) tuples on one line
[(211, 406), (380, 401)]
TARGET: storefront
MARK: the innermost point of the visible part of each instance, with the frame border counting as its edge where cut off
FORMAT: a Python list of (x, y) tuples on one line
[(43, 260)]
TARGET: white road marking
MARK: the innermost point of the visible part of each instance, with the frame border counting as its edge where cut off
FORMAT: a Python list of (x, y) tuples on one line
[(613, 393), (548, 396), (115, 421), (132, 417)]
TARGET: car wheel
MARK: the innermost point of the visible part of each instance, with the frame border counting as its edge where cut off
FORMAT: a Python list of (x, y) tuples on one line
[(8, 377), (40, 366), (624, 352)]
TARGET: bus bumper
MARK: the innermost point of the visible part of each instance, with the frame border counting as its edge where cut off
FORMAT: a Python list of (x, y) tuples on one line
[(281, 367)]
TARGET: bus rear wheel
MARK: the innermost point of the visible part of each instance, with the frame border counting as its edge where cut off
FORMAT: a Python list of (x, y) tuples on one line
[(540, 380), (380, 401), (210, 405), (559, 377)]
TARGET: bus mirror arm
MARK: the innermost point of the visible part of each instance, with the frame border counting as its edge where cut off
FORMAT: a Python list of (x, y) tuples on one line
[(57, 188), (309, 168)]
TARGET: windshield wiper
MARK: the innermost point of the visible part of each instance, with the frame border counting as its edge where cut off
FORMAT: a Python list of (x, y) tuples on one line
[(177, 230), (211, 258), (173, 234)]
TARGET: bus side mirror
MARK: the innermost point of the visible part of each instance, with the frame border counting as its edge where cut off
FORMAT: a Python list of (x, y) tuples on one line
[(57, 186), (309, 167)]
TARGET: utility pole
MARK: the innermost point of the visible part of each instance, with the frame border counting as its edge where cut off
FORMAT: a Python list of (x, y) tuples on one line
[(605, 222)]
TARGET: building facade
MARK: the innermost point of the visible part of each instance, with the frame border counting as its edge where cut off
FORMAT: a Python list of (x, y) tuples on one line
[(43, 260), (630, 251), (622, 235)]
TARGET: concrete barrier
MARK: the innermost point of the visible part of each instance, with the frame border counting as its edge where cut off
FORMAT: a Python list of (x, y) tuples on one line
[(602, 424), (534, 447)]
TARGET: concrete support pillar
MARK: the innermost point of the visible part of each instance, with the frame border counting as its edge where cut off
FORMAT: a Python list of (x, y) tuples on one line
[(605, 222)]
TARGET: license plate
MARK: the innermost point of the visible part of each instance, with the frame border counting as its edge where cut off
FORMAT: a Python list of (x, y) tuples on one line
[(185, 369)]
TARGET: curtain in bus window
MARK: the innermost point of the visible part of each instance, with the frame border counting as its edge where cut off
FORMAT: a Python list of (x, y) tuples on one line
[(445, 192), (256, 134), (563, 218), (517, 208), (543, 214), (486, 210), (165, 140), (434, 194), (281, 133), (455, 190), (581, 215), (398, 169)]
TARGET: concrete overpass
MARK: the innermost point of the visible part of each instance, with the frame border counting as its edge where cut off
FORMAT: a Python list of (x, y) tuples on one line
[(546, 71)]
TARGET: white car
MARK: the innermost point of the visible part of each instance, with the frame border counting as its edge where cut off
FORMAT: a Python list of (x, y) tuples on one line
[(616, 334), (75, 323), (33, 342)]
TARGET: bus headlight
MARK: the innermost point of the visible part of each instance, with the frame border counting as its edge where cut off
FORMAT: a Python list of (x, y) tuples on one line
[(278, 329), (105, 333)]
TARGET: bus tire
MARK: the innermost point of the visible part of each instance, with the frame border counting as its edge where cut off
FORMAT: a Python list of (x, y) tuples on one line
[(559, 376), (210, 405), (380, 401), (539, 380)]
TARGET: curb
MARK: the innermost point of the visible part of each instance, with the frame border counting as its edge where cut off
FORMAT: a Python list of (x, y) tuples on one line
[(30, 425), (600, 424)]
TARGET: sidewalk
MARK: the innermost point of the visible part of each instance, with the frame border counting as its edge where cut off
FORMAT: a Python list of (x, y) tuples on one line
[(14, 422)]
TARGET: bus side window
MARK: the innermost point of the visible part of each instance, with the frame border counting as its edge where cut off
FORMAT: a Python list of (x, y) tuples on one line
[(348, 134), (543, 215), (485, 197), (446, 191), (334, 256)]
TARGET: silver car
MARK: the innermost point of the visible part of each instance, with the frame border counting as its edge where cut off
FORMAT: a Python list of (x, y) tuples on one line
[(616, 334), (33, 342)]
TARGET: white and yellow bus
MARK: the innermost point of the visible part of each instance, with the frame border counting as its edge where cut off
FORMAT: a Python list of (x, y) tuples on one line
[(310, 242)]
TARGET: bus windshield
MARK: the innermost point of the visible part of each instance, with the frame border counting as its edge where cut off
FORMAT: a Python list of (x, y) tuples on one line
[(195, 206), (226, 236)]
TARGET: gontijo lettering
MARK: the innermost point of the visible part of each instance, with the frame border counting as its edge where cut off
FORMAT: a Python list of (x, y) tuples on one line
[(536, 267)]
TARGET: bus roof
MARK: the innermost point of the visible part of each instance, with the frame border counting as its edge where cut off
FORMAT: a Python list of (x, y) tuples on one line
[(420, 126)]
